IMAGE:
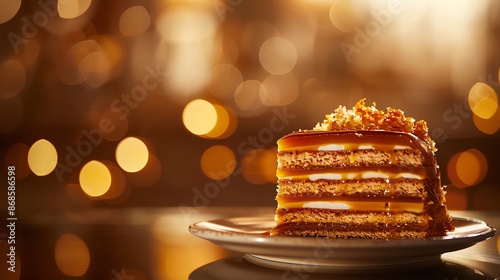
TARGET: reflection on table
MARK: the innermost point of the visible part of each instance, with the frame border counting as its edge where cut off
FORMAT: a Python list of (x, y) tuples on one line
[(155, 244)]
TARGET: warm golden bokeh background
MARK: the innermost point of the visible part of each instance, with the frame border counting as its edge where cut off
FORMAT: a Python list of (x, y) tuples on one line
[(180, 103), (109, 105)]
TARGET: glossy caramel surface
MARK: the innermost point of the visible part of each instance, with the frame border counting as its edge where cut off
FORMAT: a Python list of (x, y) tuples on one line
[(351, 140)]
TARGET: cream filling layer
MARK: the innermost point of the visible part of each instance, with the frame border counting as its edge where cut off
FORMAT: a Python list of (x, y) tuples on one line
[(362, 175), (359, 175), (342, 147), (348, 147), (414, 207)]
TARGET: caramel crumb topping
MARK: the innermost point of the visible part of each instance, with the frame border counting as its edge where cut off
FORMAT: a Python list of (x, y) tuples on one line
[(362, 117)]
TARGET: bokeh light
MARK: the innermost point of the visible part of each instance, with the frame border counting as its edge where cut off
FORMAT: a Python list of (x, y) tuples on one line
[(224, 79), (247, 95), (189, 35), (254, 34), (222, 123), (483, 100), (12, 78), (8, 9), (229, 51), (226, 123), (42, 157), (184, 25), (112, 49), (69, 9), (471, 167), (280, 90), (70, 71), (95, 178), (218, 162), (345, 14), (118, 181), (259, 166), (488, 126), (65, 26), (486, 108), (132, 154), (91, 61), (467, 168), (72, 255), (199, 117), (149, 175), (278, 55), (134, 21), (100, 63), (17, 155)]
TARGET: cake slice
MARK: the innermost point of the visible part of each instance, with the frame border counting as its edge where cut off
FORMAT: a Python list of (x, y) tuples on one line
[(361, 173)]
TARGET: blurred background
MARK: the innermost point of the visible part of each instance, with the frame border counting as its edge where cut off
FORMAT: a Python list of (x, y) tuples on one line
[(138, 105), (149, 103)]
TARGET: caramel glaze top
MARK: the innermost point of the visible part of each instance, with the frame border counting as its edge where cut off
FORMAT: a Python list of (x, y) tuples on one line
[(353, 138)]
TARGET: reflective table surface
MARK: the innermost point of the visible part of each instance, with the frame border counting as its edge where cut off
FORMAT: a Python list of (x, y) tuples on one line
[(154, 243)]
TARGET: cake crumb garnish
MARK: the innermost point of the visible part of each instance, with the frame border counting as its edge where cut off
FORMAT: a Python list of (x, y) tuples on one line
[(362, 117)]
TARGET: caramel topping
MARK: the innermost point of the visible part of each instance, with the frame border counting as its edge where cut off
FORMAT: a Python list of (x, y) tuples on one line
[(351, 140), (361, 117)]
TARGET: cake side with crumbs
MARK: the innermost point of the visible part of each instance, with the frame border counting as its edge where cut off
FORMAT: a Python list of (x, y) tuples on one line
[(361, 173)]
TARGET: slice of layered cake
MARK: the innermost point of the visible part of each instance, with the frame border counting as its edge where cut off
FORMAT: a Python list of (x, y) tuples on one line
[(361, 173)]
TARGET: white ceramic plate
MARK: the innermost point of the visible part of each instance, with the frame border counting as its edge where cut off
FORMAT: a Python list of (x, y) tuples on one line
[(249, 235)]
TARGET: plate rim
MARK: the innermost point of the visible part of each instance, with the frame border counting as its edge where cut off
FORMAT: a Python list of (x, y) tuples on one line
[(219, 236)]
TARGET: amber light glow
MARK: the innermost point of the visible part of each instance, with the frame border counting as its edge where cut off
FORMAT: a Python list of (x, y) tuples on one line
[(132, 154), (224, 78), (95, 178), (118, 182), (134, 21), (42, 157), (467, 168), (199, 117), (483, 100), (72, 8), (488, 126), (278, 55), (8, 9), (259, 166), (225, 125), (345, 15), (247, 97), (218, 162), (72, 255), (173, 245)]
